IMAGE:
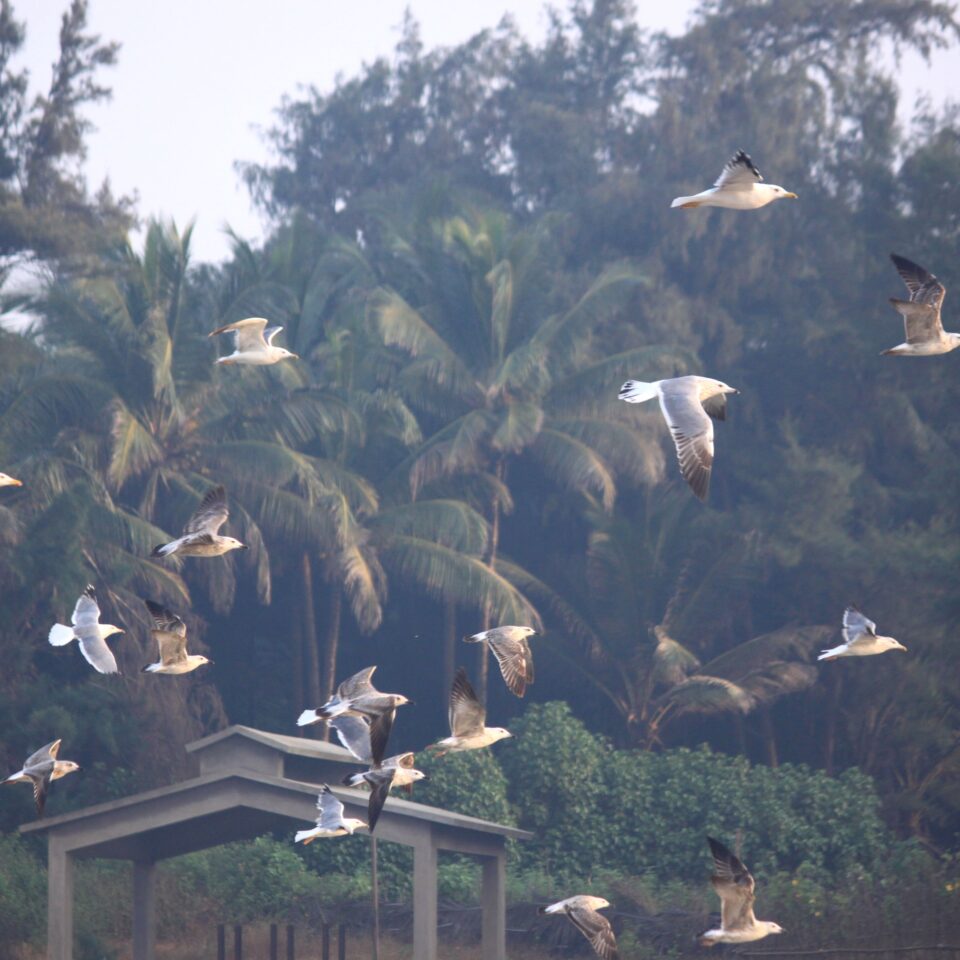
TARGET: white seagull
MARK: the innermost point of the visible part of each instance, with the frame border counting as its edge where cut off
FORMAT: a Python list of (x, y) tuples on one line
[(354, 734), (582, 911), (358, 697), (921, 313), (200, 537), (739, 187), (860, 638), (734, 885), (393, 772), (170, 632), (89, 632), (688, 404), (331, 821), (510, 647), (467, 718), (39, 769), (7, 481), (254, 343)]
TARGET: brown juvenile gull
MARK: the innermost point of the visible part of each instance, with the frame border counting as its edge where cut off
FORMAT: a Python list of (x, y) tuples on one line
[(254, 343), (860, 638), (200, 537), (40, 768), (330, 822), (357, 697), (688, 404), (7, 481), (739, 187), (170, 632), (921, 313), (582, 911), (734, 885), (467, 718), (89, 632), (510, 647)]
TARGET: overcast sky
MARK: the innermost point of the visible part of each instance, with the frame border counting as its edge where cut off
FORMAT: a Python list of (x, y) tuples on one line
[(198, 79)]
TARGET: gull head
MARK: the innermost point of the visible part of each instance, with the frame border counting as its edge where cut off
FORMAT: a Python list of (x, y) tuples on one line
[(63, 767), (108, 630), (953, 337), (527, 631), (781, 194), (888, 643), (772, 927), (350, 824), (417, 775), (199, 660), (718, 386), (399, 699), (231, 544), (284, 354), (498, 733), (597, 903), (8, 481)]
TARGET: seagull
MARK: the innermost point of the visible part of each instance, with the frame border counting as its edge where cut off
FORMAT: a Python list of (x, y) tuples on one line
[(357, 697), (734, 886), (8, 481), (510, 647), (394, 772), (331, 822), (40, 768), (688, 404), (170, 632), (739, 187), (254, 343), (921, 313), (860, 638), (89, 631), (200, 537), (582, 911), (354, 734), (467, 717)]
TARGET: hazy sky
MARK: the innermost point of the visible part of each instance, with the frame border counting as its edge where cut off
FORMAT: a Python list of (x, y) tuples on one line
[(196, 79)]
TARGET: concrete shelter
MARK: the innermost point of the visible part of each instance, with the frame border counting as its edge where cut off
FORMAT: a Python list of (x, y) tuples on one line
[(251, 782)]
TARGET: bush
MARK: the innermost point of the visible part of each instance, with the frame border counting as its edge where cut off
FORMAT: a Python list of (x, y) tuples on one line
[(23, 893)]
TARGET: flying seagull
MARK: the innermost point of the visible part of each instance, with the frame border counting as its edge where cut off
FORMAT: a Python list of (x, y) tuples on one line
[(467, 718), (331, 822), (8, 481), (921, 313), (357, 697), (688, 404), (89, 632), (510, 647), (582, 911), (200, 537), (254, 343), (860, 638), (734, 886), (739, 187), (40, 768), (170, 632)]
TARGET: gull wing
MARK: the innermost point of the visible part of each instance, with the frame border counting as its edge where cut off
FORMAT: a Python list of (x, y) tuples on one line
[(857, 628), (270, 333), (380, 783), (692, 431), (86, 625), (739, 173), (331, 810), (170, 632), (41, 783), (734, 885), (211, 515), (43, 755), (357, 685), (596, 928), (924, 287), (513, 655), (86, 614), (96, 652), (380, 727), (354, 734), (466, 714), (249, 334)]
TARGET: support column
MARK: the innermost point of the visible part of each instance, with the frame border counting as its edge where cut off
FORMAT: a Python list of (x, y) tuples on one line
[(493, 900), (59, 900), (425, 899), (144, 910)]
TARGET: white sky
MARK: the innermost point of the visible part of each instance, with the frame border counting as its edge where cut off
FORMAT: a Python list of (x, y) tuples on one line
[(197, 79)]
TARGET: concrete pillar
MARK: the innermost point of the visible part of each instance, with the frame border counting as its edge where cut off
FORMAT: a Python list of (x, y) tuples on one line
[(144, 910), (424, 899), (493, 901), (59, 901)]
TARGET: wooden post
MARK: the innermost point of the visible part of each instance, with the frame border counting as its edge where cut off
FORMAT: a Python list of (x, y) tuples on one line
[(144, 910), (375, 893), (221, 942), (425, 899), (59, 900), (290, 941), (342, 942), (493, 898), (325, 942), (273, 942), (237, 942)]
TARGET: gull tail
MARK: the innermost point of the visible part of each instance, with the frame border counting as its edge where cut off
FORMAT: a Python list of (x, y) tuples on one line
[(60, 635), (165, 549), (830, 654), (308, 717), (306, 836), (685, 202), (636, 391), (353, 780)]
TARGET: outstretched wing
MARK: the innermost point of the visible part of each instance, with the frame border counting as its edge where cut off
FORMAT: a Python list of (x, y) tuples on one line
[(211, 515), (43, 755), (856, 627), (249, 333), (86, 614), (924, 287), (357, 685), (380, 783), (380, 727), (516, 661), (466, 713), (692, 431), (734, 885), (596, 928), (41, 783), (170, 632), (270, 333), (354, 734), (331, 810), (739, 173)]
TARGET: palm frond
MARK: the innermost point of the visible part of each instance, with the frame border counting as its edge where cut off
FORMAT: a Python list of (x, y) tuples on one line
[(703, 694), (452, 523), (518, 428), (672, 662), (574, 465)]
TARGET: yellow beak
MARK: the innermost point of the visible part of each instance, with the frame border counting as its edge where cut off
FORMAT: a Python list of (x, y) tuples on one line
[(792, 196)]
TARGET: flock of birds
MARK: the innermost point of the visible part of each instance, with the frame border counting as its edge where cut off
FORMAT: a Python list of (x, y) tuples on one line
[(363, 717)]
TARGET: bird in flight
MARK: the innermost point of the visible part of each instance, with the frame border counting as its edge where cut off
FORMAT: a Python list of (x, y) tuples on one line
[(739, 187), (509, 645), (582, 913), (330, 820), (922, 325), (170, 632), (254, 346), (40, 769), (860, 638), (200, 537), (89, 632), (467, 720)]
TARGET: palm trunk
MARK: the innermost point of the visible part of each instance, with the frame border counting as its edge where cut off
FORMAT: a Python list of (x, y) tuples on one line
[(331, 649), (499, 472), (308, 635), (449, 647), (769, 737)]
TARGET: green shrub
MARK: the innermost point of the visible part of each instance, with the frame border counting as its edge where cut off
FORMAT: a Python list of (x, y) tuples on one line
[(23, 893)]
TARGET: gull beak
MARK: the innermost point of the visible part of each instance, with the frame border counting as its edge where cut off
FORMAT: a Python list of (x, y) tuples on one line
[(15, 483), (245, 547), (900, 646), (792, 196)]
